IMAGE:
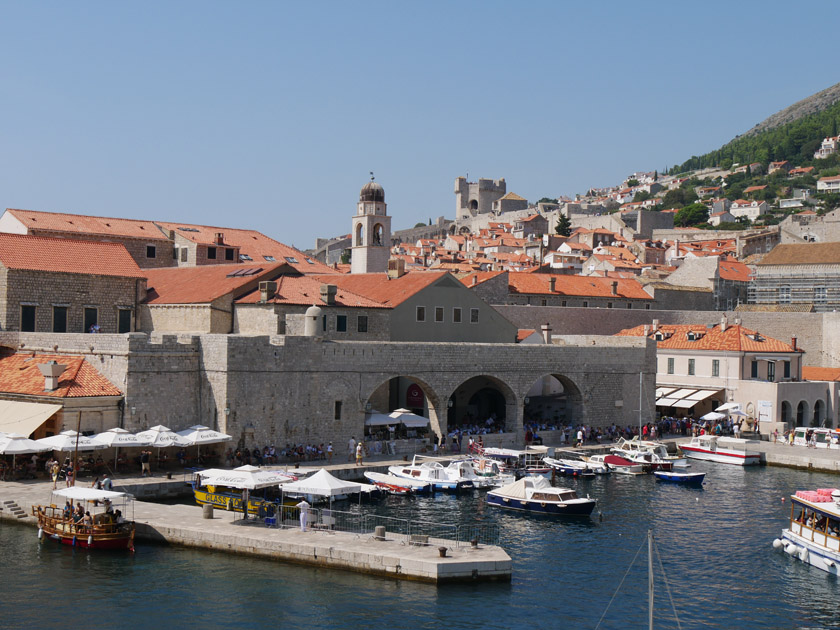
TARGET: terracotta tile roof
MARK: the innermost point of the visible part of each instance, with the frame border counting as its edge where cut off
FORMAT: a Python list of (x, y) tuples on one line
[(833, 178), (251, 243), (806, 212), (803, 254), (577, 286), (67, 255), (523, 333), (734, 339), (734, 270), (531, 218), (801, 170), (83, 224), (19, 374), (306, 290), (754, 188), (205, 283), (379, 288), (820, 373), (480, 276), (512, 196)]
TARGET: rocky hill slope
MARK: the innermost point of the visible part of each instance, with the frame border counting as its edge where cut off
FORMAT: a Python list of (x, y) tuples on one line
[(807, 106)]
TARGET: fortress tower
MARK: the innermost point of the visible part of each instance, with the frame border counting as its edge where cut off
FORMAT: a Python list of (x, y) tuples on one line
[(371, 231), (474, 198)]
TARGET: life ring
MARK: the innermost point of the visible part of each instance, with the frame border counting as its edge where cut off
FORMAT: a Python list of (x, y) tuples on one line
[(542, 504)]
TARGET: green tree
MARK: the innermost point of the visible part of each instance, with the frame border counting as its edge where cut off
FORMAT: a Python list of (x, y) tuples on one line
[(692, 215), (421, 224), (641, 195), (632, 182), (564, 226), (547, 200)]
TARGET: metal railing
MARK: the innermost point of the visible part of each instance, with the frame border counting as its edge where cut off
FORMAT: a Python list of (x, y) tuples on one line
[(407, 531)]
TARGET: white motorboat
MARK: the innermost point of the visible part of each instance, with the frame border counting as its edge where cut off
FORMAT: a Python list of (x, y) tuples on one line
[(813, 535), (628, 447), (527, 461), (619, 464), (398, 485), (721, 449), (433, 472), (575, 467), (538, 496)]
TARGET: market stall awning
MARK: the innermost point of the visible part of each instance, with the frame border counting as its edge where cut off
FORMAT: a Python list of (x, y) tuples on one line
[(684, 398), (24, 417)]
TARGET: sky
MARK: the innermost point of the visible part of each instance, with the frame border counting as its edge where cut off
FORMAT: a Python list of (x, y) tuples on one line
[(270, 115)]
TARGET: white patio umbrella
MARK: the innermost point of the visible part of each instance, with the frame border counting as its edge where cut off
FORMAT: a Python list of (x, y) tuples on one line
[(249, 477), (14, 444), (738, 412), (160, 437), (198, 434), (713, 415), (68, 441), (117, 438), (409, 419)]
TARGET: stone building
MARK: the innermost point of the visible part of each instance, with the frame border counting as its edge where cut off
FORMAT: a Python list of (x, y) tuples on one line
[(371, 231), (729, 280), (67, 285), (472, 198), (799, 274)]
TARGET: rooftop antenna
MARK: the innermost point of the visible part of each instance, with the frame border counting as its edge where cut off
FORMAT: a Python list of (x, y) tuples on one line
[(371, 176)]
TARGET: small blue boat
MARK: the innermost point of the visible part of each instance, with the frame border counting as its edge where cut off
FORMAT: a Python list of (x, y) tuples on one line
[(694, 479)]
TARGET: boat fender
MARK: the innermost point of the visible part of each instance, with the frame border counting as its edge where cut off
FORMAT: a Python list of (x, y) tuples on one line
[(74, 542), (40, 533), (777, 543), (791, 549), (830, 564), (90, 540), (542, 504), (803, 554)]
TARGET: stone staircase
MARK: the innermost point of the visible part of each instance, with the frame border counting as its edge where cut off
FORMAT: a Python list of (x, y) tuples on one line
[(13, 508)]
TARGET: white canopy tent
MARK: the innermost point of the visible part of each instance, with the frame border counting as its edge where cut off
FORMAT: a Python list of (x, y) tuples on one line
[(249, 477), (713, 415), (70, 440), (408, 419), (15, 444), (376, 419), (323, 484), (80, 493)]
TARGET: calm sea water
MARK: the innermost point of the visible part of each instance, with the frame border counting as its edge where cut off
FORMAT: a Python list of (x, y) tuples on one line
[(714, 544)]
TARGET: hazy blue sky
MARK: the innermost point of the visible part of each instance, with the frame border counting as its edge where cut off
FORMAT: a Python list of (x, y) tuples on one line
[(269, 115)]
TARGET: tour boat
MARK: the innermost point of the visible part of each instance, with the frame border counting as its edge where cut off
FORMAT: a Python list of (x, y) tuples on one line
[(813, 535), (398, 485), (433, 472), (625, 447), (223, 488), (721, 449), (528, 461), (694, 479), (106, 530), (536, 495), (619, 464)]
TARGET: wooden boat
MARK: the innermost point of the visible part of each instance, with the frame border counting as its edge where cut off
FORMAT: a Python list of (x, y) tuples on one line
[(813, 535), (107, 529), (680, 477), (398, 485), (536, 495)]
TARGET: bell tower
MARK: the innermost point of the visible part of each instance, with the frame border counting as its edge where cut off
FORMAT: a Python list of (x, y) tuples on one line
[(371, 234)]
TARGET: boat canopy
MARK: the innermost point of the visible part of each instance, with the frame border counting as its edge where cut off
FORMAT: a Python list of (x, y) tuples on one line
[(323, 484), (518, 489), (77, 493), (249, 477)]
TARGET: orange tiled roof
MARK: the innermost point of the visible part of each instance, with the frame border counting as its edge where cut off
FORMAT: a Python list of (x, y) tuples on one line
[(480, 276), (83, 224), (306, 290), (19, 374), (205, 283), (820, 373), (734, 270), (734, 339), (67, 255), (523, 333), (578, 286), (378, 287), (754, 188)]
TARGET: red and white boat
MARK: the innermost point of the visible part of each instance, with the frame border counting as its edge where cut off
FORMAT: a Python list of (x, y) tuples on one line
[(398, 485), (721, 449), (619, 464)]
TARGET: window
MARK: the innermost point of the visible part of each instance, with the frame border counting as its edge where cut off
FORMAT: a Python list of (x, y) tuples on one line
[(341, 323), (820, 295), (629, 304), (670, 365), (438, 314), (59, 319), (473, 316), (244, 257), (563, 303), (771, 371), (185, 254), (585, 304), (151, 251), (229, 254), (175, 253), (784, 295), (787, 369), (456, 315), (337, 410), (543, 302), (90, 324), (421, 313), (647, 307), (609, 304), (27, 318), (691, 367), (269, 258), (754, 369), (123, 320), (362, 323), (715, 367), (291, 259), (211, 253)]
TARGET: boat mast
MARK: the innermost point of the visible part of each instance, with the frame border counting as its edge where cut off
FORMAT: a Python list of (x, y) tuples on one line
[(650, 579)]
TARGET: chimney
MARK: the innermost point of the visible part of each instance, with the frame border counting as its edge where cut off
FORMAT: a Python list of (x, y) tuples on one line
[(219, 238), (328, 292), (51, 370), (737, 321), (552, 283), (655, 325), (475, 280), (723, 323), (614, 287), (793, 342), (546, 333), (267, 290), (396, 267), (647, 330)]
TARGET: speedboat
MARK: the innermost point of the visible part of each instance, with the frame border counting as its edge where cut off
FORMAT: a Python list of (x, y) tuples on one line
[(574, 467), (488, 474), (527, 461), (695, 479), (536, 495), (619, 464), (627, 448), (398, 485), (720, 449), (813, 535), (433, 472)]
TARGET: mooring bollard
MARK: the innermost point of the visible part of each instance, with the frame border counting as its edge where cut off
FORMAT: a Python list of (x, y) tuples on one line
[(442, 551), (379, 532), (207, 510)]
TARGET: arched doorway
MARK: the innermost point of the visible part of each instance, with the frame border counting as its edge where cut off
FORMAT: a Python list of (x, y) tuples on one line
[(802, 414), (482, 403), (553, 401), (395, 411), (819, 414), (786, 412)]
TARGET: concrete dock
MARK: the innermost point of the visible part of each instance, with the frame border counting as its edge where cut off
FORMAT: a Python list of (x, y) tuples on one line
[(185, 525)]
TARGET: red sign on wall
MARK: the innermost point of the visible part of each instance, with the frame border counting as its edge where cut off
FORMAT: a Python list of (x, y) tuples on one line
[(414, 396)]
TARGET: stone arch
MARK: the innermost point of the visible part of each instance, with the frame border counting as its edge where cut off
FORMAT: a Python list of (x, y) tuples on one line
[(479, 399), (397, 392), (787, 412), (819, 413), (802, 414), (464, 230), (378, 234), (553, 400), (359, 239), (473, 204)]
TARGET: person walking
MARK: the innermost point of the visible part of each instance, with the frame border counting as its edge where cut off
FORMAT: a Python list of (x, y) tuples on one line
[(360, 454), (351, 448), (303, 506), (329, 453), (145, 456)]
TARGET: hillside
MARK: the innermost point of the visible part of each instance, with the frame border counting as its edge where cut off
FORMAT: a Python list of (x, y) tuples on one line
[(792, 134)]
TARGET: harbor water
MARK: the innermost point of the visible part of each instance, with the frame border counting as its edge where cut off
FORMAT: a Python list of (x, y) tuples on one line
[(715, 561)]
